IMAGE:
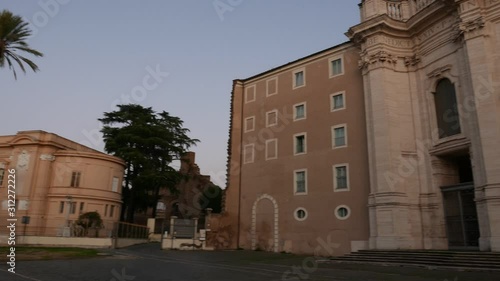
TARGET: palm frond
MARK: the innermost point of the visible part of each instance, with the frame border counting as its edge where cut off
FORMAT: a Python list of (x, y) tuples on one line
[(14, 32)]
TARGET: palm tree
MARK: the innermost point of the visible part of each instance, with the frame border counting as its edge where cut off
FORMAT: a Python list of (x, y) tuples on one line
[(13, 34)]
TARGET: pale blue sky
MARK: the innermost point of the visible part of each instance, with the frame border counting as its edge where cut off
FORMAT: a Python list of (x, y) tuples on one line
[(97, 54)]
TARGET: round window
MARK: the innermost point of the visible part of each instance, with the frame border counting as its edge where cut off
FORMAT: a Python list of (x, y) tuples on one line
[(342, 212), (300, 214)]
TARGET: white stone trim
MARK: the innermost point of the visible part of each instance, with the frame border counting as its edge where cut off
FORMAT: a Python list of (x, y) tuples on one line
[(297, 217), (295, 182), (295, 153), (295, 111), (276, 222), (303, 70), (275, 149), (330, 60), (275, 79), (335, 189), (340, 207), (245, 127), (249, 99), (345, 136), (332, 107), (268, 123)]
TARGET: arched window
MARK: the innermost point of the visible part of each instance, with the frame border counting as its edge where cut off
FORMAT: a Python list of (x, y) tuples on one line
[(447, 117)]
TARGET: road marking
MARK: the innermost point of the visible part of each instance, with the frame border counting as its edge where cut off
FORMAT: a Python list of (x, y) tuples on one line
[(20, 275)]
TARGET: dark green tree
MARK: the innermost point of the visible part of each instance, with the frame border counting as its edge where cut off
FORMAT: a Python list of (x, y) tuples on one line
[(212, 198), (148, 142), (90, 220), (13, 35)]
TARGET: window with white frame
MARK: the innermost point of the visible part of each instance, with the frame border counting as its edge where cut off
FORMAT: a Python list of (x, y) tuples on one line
[(300, 143), (337, 101), (272, 118), (339, 136), (341, 177), (342, 212), (250, 94), (300, 182), (271, 149), (248, 153), (299, 111), (249, 124), (272, 86), (336, 66), (299, 78), (300, 214)]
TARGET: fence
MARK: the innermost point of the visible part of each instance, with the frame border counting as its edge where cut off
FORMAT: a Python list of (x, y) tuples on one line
[(129, 230)]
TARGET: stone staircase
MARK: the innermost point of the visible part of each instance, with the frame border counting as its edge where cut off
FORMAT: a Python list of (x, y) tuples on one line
[(430, 259)]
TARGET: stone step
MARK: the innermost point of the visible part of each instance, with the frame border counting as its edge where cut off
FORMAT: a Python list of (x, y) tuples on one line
[(448, 259), (420, 265), (441, 257), (424, 260), (438, 253)]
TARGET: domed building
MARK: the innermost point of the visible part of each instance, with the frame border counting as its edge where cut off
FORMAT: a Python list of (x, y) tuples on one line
[(56, 180)]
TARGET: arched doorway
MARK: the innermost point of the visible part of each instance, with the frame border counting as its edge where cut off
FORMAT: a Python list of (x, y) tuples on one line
[(265, 224)]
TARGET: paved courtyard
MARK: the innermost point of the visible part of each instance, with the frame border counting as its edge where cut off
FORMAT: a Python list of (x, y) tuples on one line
[(149, 263)]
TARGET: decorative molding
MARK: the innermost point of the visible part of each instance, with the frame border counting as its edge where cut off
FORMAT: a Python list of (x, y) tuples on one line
[(463, 28), (472, 25), (439, 71), (412, 61), (380, 56), (47, 157)]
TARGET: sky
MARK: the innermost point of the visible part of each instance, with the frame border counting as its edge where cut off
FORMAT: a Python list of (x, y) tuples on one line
[(179, 56)]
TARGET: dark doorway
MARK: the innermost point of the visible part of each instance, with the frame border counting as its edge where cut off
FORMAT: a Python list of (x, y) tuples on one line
[(460, 208), (461, 217)]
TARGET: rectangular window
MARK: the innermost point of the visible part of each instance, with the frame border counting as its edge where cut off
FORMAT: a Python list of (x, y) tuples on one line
[(249, 124), (75, 179), (337, 101), (250, 94), (114, 185), (300, 144), (336, 67), (272, 86), (300, 182), (341, 177), (81, 207), (112, 211), (72, 207), (2, 174), (271, 118), (106, 210), (299, 111), (299, 78), (248, 153), (339, 136), (61, 207), (271, 149)]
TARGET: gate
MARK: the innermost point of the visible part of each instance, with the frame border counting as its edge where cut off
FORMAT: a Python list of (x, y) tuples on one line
[(461, 216)]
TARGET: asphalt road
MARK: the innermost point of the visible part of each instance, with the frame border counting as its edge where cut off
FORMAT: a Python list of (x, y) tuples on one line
[(149, 263)]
